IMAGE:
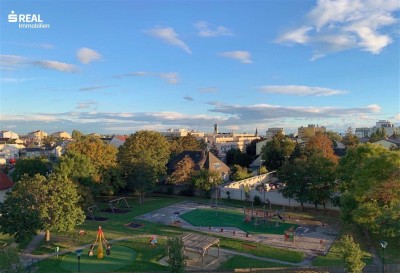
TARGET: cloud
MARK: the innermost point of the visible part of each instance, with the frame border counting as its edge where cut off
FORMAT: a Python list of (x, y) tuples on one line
[(169, 77), (188, 98), (11, 62), (169, 36), (300, 90), (205, 30), (208, 90), (87, 105), (333, 26), (86, 55), (92, 88), (242, 56), (55, 65)]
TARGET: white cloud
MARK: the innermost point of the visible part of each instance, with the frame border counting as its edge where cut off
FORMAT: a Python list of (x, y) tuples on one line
[(242, 56), (87, 105), (205, 30), (11, 62), (337, 25), (300, 90), (86, 55), (170, 77), (169, 36), (55, 65)]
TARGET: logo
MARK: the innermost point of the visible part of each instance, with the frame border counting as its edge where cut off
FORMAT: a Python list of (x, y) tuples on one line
[(27, 20)]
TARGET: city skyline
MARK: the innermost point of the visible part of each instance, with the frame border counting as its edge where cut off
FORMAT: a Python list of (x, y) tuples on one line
[(115, 67)]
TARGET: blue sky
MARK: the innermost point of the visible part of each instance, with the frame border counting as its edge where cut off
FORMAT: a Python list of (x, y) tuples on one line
[(123, 66)]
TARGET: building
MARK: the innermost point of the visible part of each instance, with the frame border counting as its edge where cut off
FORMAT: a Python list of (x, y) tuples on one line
[(117, 141), (310, 130), (389, 127), (8, 135), (5, 186), (202, 160), (271, 132), (10, 151), (363, 132), (37, 135), (61, 134)]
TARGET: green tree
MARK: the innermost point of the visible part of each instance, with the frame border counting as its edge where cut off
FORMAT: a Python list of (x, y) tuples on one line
[(176, 255), (297, 182), (143, 157), (379, 134), (239, 173), (236, 157), (183, 172), (30, 166), (277, 151), (76, 135), (334, 137), (40, 203), (206, 180), (9, 260), (371, 188), (351, 254), (186, 143), (350, 139)]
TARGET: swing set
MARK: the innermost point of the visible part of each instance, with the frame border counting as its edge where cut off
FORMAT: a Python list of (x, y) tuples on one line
[(100, 241), (115, 204)]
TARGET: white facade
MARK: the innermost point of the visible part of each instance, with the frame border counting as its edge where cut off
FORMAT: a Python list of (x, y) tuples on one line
[(10, 151), (363, 132), (388, 126)]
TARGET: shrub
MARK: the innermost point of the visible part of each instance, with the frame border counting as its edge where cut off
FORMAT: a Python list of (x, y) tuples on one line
[(257, 200)]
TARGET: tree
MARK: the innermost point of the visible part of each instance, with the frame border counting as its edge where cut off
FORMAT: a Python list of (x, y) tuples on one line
[(176, 255), (183, 171), (143, 157), (370, 183), (76, 135), (236, 157), (379, 134), (9, 260), (186, 143), (206, 180), (351, 254), (350, 139), (239, 173), (320, 145), (40, 203), (214, 150), (30, 166), (296, 181), (251, 149), (277, 151), (334, 137)]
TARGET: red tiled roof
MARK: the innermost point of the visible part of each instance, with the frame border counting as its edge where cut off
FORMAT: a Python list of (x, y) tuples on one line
[(5, 182), (122, 138)]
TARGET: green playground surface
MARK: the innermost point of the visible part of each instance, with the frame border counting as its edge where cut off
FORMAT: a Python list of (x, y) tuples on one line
[(121, 256), (231, 218)]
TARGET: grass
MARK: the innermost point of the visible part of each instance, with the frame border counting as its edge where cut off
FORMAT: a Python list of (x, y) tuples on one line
[(238, 261), (230, 218), (263, 250), (333, 257), (392, 251)]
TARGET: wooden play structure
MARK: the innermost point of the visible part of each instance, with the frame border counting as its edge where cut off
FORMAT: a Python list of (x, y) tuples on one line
[(262, 216), (100, 241), (199, 243), (115, 204)]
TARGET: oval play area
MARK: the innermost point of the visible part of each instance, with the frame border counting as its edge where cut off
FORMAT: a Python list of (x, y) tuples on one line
[(120, 257)]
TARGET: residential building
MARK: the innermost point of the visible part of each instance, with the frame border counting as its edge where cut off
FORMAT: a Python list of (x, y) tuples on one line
[(202, 160), (10, 151), (37, 135), (61, 134), (389, 144), (310, 130), (8, 135), (363, 132), (117, 141), (31, 152), (389, 127), (5, 186)]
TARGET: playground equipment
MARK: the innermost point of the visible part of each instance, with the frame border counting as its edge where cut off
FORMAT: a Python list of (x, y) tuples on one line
[(290, 236), (258, 215), (100, 240), (115, 204), (91, 211)]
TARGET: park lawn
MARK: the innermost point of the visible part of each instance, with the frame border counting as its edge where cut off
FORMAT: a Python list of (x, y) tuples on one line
[(126, 256), (238, 261), (392, 251), (333, 257), (231, 218), (263, 250)]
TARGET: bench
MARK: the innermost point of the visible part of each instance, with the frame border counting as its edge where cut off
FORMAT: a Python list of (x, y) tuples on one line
[(248, 246)]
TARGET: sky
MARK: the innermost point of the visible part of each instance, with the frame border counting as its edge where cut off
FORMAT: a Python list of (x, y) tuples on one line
[(116, 67)]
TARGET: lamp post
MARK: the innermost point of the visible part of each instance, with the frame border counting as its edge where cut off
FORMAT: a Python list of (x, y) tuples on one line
[(259, 173), (78, 254), (383, 245)]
